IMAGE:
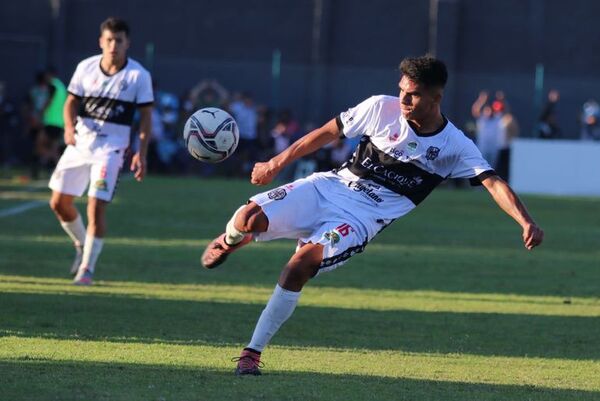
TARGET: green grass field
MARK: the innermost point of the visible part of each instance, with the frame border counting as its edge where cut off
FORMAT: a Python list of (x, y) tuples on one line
[(446, 304)]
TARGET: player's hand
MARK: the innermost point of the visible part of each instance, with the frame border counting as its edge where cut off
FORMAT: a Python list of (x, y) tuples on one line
[(532, 236), (263, 173), (69, 136), (138, 166)]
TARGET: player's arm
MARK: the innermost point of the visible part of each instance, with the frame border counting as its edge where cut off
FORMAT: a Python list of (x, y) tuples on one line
[(138, 161), (264, 173), (506, 198), (479, 103), (70, 116)]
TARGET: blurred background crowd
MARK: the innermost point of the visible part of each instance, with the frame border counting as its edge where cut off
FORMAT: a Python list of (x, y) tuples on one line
[(31, 129)]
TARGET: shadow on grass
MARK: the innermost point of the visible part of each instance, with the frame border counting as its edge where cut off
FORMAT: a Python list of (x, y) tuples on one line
[(116, 318), (502, 272), (70, 380)]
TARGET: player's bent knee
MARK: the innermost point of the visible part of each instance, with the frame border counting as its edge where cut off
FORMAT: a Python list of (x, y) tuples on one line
[(251, 219), (302, 267)]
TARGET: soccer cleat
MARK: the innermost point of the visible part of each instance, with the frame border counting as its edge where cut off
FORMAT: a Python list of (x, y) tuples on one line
[(217, 251), (248, 363), (77, 260), (83, 277)]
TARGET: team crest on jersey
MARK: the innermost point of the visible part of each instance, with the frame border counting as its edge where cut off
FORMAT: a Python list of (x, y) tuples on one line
[(101, 185), (432, 153), (277, 194)]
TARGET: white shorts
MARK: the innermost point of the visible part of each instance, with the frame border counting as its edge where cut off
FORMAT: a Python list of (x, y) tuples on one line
[(79, 168), (299, 211)]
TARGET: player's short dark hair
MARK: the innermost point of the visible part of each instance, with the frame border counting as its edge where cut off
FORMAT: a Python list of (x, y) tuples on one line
[(114, 24), (426, 70)]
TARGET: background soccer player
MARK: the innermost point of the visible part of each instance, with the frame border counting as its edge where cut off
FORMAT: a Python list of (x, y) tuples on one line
[(407, 148), (103, 94)]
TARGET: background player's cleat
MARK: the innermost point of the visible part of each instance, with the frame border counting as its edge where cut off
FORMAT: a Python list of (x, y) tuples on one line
[(217, 251), (248, 363), (83, 277), (77, 260)]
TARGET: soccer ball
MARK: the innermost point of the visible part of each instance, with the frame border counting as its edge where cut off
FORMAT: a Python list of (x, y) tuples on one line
[(211, 135)]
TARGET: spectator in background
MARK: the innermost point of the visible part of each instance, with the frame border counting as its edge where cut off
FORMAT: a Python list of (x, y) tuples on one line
[(548, 121), (10, 140), (285, 131), (265, 140), (488, 127), (509, 130), (245, 113), (52, 117), (36, 102), (590, 121)]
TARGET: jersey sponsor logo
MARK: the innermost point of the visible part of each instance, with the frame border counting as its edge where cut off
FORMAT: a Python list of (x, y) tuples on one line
[(412, 147), (396, 174), (277, 194), (367, 191), (107, 109), (432, 153), (381, 170)]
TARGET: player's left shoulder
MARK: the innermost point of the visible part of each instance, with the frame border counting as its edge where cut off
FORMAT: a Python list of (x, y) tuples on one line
[(135, 67)]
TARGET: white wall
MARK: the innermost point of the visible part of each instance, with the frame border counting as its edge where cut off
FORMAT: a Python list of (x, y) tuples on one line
[(555, 167)]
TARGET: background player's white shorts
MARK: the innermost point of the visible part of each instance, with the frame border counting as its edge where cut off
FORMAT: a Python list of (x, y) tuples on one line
[(299, 211), (79, 168)]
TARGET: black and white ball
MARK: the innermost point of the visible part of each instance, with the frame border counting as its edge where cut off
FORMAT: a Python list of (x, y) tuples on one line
[(211, 135)]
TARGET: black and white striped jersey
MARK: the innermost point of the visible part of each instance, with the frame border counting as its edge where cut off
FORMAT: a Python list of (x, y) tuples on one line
[(108, 102), (392, 155), (393, 168)]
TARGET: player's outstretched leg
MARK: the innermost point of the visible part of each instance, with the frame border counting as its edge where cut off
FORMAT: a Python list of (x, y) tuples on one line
[(246, 220), (301, 267)]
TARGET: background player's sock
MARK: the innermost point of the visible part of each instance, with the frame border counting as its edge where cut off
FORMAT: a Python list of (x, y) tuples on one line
[(75, 229), (233, 235), (91, 251), (279, 308)]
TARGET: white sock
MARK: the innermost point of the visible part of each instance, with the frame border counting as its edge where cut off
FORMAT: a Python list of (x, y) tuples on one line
[(75, 229), (91, 251), (233, 235), (279, 308)]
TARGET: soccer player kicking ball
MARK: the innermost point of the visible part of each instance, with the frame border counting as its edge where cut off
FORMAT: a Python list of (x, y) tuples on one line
[(407, 148), (103, 95)]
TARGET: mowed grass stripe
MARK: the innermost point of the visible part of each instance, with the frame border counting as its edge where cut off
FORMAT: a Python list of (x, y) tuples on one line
[(343, 298), (538, 372)]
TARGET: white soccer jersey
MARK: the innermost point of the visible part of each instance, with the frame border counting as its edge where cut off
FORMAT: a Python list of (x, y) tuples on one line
[(393, 168), (108, 102)]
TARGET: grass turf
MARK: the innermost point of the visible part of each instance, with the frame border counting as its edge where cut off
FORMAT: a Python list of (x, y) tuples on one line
[(444, 304)]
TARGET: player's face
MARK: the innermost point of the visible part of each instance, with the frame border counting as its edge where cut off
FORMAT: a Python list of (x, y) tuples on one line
[(114, 45), (417, 102)]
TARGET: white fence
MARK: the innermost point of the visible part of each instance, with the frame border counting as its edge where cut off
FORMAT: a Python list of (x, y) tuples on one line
[(555, 167)]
